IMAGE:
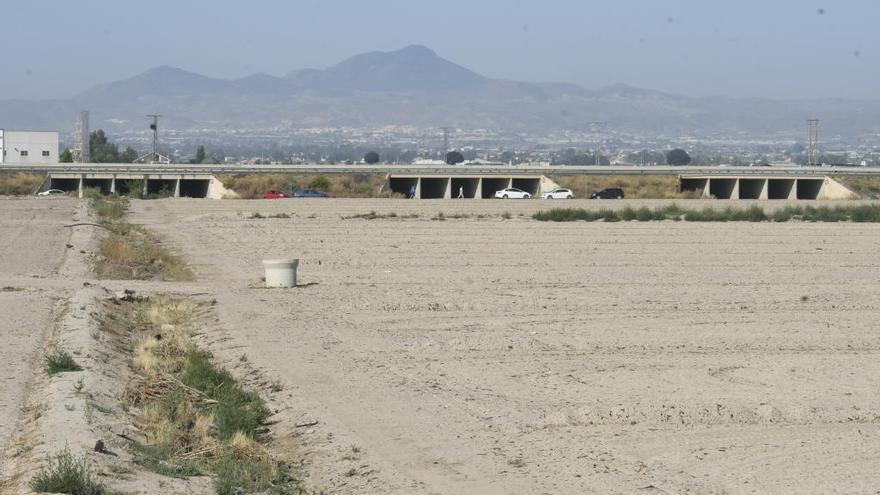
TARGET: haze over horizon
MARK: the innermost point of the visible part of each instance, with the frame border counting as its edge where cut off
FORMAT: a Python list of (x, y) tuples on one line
[(789, 49)]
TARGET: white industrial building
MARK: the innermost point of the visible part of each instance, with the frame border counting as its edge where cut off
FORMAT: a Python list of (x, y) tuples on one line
[(28, 146)]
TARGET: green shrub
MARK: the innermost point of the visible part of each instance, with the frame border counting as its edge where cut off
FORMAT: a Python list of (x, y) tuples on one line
[(60, 361), (236, 408), (67, 474)]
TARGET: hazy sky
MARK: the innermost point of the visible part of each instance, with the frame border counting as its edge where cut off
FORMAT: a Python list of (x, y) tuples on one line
[(774, 48)]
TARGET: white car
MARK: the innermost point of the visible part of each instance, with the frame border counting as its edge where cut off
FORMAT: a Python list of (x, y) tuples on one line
[(512, 192), (559, 193), (50, 192)]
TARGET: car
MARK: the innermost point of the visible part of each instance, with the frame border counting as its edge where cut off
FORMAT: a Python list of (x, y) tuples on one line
[(273, 194), (310, 193), (50, 192), (558, 193), (608, 193), (512, 192)]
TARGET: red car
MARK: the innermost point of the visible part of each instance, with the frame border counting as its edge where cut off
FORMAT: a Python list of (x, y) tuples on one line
[(273, 194)]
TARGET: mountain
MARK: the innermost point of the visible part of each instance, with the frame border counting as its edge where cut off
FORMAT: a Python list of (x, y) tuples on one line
[(414, 86), (414, 68)]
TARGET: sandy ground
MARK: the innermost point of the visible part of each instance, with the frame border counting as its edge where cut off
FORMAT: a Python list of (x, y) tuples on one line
[(33, 248), (513, 356)]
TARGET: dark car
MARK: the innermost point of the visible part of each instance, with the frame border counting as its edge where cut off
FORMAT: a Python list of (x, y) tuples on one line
[(310, 193), (608, 193)]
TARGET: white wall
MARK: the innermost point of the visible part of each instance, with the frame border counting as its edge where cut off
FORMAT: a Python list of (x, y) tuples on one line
[(34, 143)]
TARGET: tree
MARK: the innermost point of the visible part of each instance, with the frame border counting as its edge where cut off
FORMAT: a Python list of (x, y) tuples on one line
[(102, 150), (678, 157), (454, 158), (66, 156), (201, 156), (128, 156), (371, 158)]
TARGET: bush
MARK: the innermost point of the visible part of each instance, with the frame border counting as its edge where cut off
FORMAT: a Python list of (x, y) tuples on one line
[(67, 474), (60, 361)]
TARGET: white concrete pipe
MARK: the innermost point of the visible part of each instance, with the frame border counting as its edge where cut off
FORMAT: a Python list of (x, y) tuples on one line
[(280, 273)]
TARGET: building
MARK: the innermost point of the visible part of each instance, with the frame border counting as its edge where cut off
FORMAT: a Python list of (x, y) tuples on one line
[(28, 146)]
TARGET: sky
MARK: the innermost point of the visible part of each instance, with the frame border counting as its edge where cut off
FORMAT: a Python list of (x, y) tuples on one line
[(736, 48)]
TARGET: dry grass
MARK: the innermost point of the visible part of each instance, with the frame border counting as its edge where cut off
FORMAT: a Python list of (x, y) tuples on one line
[(866, 187), (20, 184), (347, 186), (634, 187), (130, 252)]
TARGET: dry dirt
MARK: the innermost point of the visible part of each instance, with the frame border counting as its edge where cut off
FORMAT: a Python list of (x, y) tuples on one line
[(32, 248), (511, 356)]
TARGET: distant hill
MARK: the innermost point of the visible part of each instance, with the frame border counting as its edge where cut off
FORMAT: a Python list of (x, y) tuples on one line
[(414, 86)]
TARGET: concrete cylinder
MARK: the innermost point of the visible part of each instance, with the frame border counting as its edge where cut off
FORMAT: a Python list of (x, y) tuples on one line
[(280, 273)]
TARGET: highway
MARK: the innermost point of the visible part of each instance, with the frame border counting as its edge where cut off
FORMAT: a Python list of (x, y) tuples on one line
[(423, 170)]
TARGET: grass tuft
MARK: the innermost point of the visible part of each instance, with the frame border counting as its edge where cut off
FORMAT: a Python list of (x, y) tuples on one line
[(60, 361), (67, 474)]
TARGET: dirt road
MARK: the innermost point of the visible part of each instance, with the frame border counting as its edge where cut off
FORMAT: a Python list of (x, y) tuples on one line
[(492, 355)]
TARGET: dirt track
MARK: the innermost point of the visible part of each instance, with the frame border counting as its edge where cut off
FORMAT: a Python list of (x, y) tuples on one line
[(512, 356), (33, 247)]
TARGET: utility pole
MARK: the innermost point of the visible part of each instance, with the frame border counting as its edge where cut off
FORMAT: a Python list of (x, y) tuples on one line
[(813, 140)]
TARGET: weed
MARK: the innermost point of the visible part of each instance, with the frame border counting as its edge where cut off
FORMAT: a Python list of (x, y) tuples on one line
[(256, 215), (506, 215), (517, 462), (79, 384), (276, 386), (60, 361), (440, 217), (279, 215), (67, 474)]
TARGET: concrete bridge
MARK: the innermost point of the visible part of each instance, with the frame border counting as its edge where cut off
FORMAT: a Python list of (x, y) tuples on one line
[(444, 181)]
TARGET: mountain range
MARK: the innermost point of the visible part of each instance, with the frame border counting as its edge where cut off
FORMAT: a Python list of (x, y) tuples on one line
[(414, 86)]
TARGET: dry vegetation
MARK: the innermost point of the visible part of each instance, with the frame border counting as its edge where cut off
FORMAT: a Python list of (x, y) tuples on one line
[(635, 187), (130, 252), (195, 417), (754, 213), (349, 186), (866, 187), (20, 184)]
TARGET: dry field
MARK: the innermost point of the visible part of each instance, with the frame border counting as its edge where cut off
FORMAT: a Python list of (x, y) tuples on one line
[(493, 355)]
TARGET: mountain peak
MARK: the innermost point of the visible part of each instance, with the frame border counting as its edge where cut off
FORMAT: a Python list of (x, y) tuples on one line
[(411, 68)]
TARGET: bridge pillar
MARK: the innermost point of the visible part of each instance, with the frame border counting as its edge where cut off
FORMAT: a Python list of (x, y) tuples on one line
[(113, 185), (765, 191), (146, 190), (447, 193), (419, 188), (177, 188), (79, 187), (479, 193)]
